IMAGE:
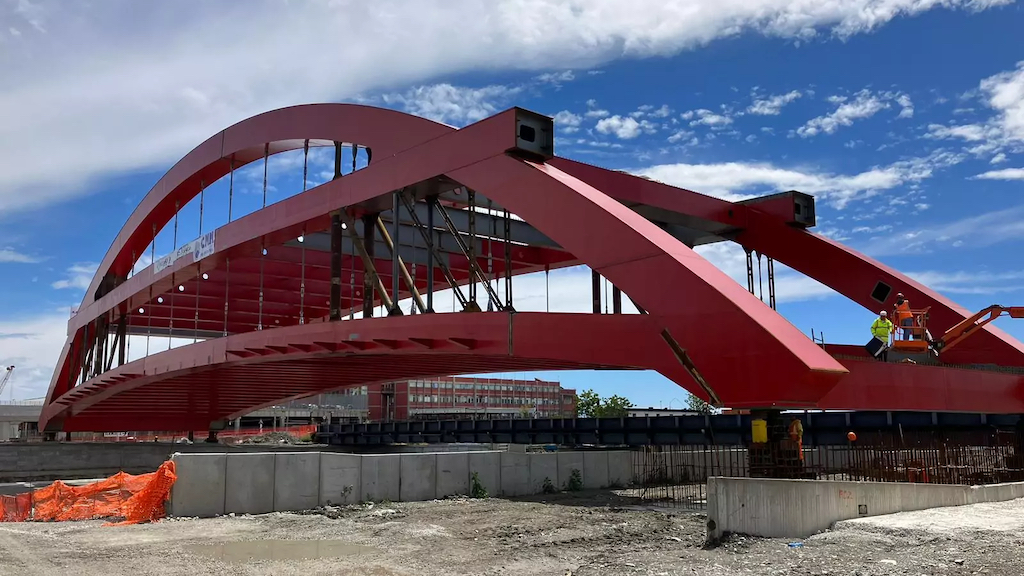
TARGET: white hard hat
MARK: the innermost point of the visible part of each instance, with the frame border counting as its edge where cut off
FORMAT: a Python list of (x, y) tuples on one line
[(882, 313)]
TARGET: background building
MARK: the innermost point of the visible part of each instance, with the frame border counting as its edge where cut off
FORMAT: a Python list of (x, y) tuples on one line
[(460, 397)]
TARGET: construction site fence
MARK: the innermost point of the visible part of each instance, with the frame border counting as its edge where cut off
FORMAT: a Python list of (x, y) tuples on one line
[(122, 498), (198, 436), (676, 476)]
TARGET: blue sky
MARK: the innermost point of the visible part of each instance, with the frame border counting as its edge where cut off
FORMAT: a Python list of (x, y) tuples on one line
[(905, 120)]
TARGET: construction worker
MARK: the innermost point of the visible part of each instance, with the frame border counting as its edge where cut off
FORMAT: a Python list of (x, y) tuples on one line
[(796, 434), (903, 316), (881, 328)]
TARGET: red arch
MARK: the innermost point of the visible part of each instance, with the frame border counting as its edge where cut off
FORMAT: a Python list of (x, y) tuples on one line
[(700, 324)]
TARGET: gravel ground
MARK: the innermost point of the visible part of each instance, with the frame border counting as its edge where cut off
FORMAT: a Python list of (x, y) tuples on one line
[(559, 535)]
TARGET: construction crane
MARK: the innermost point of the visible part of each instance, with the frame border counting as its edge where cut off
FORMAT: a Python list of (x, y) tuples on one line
[(921, 339), (7, 378)]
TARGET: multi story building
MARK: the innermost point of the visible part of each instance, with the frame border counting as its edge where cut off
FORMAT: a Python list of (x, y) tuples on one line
[(461, 397)]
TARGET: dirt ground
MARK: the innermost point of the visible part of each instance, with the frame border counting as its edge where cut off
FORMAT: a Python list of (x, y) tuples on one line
[(558, 535)]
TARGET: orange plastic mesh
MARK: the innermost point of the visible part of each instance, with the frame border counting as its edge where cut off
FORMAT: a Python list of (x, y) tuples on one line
[(136, 499), (15, 508)]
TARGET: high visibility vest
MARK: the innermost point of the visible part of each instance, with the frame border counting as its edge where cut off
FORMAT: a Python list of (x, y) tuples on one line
[(903, 312), (796, 430), (881, 328)]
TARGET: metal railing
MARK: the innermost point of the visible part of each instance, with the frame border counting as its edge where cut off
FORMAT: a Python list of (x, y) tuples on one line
[(676, 476)]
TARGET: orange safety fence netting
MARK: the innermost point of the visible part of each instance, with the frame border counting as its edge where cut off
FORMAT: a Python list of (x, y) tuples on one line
[(134, 498)]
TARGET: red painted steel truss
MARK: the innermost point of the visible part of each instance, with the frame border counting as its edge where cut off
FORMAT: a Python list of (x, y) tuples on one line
[(259, 303)]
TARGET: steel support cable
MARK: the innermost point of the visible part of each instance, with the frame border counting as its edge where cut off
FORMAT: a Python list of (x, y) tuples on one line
[(128, 341), (415, 288), (263, 245), (199, 267), (170, 324), (302, 239), (227, 286), (266, 159), (428, 237), (490, 251), (760, 282), (547, 288), (470, 249), (149, 328), (508, 261), (231, 186), (199, 277)]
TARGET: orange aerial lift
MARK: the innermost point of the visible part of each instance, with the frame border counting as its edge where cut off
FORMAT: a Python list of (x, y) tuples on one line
[(921, 341)]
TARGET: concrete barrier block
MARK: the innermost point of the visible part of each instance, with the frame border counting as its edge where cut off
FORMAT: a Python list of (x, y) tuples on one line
[(515, 474), (567, 462), (452, 474), (620, 468), (250, 483), (340, 481), (296, 481), (543, 467), (418, 477), (487, 466), (380, 477), (595, 470), (199, 489)]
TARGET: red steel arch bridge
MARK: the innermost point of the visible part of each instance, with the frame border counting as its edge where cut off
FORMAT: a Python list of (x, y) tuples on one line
[(335, 286)]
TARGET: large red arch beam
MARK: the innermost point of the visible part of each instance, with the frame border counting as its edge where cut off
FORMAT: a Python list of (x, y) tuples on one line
[(716, 333), (839, 267)]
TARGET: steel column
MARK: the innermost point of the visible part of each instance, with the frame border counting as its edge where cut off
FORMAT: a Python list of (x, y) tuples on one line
[(396, 260), (366, 250), (595, 289)]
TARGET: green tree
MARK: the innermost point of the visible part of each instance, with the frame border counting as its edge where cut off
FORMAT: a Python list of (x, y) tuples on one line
[(590, 405), (615, 407), (697, 405)]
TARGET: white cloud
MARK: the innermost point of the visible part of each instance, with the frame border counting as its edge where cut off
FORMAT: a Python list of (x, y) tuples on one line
[(1003, 93), (742, 180), (557, 78), (78, 277), (12, 255), (593, 111), (974, 282), (138, 94), (453, 104), (663, 112), (998, 158), (708, 118), (680, 135), (624, 128), (906, 105), (567, 122), (1004, 174), (981, 231), (32, 345), (864, 105), (772, 105)]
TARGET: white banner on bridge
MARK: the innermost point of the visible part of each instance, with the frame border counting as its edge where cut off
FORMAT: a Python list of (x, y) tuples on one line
[(199, 248)]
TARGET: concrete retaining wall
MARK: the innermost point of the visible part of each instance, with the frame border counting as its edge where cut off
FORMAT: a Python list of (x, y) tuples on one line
[(800, 508), (212, 484), (72, 460)]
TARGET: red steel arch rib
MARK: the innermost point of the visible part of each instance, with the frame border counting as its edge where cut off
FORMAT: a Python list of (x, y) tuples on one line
[(702, 330)]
